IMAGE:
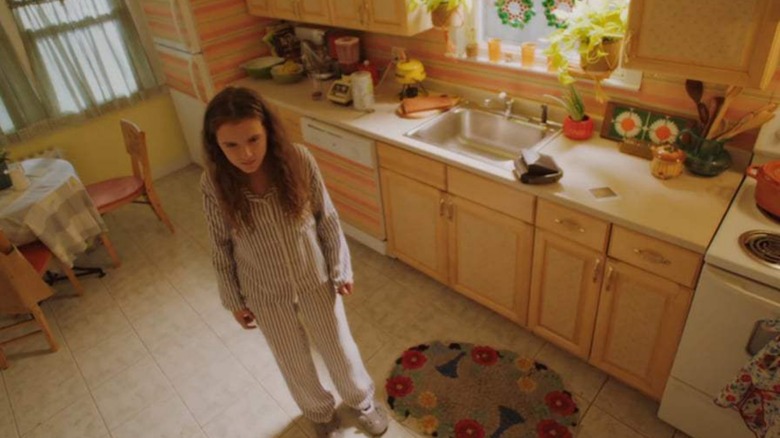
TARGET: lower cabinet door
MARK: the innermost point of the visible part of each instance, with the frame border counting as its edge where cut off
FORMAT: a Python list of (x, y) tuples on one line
[(490, 257), (565, 292), (639, 324)]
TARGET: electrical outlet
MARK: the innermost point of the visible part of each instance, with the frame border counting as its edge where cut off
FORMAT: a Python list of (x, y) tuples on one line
[(397, 54)]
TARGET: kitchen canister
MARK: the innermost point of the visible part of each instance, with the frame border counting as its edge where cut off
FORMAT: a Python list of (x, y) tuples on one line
[(362, 91)]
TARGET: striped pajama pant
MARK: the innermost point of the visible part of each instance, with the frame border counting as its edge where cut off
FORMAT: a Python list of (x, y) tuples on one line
[(316, 318)]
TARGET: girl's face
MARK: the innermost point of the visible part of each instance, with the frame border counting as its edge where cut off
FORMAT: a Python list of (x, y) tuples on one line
[(244, 143)]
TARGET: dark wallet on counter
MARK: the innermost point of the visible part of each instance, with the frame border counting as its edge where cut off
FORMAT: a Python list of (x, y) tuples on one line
[(534, 168)]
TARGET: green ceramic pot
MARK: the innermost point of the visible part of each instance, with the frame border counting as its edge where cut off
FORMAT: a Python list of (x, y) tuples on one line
[(704, 157)]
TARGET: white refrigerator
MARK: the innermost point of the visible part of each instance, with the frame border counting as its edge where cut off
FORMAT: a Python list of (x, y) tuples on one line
[(200, 46)]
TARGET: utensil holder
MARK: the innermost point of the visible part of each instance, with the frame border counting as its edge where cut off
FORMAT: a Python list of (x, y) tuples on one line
[(704, 157)]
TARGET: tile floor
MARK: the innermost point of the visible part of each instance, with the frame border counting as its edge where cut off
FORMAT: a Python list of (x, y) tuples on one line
[(149, 352)]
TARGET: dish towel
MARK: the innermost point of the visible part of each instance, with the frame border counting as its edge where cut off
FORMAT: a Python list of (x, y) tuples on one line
[(755, 392)]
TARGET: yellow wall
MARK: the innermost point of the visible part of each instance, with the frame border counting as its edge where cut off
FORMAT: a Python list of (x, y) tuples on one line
[(95, 146)]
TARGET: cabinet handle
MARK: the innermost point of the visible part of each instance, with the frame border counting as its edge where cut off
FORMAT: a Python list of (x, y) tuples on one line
[(652, 256), (450, 209), (596, 269), (297, 8), (441, 206), (572, 224), (361, 12), (610, 271)]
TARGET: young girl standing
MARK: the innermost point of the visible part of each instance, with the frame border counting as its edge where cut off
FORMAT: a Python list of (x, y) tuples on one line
[(281, 258)]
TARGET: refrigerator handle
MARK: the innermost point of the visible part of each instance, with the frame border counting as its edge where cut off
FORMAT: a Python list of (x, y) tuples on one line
[(193, 78)]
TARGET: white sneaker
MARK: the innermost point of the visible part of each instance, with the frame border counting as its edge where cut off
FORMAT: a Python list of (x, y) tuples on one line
[(330, 429), (373, 420)]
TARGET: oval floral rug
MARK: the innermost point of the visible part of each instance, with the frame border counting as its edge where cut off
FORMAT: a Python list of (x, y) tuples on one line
[(464, 390)]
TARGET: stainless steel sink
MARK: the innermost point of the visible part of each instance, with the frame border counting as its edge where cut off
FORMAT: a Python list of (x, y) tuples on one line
[(484, 135)]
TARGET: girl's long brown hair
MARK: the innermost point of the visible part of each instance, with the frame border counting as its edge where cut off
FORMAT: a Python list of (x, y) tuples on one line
[(234, 104)]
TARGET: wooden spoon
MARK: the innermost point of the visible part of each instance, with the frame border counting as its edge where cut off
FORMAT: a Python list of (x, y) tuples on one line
[(695, 90), (715, 127)]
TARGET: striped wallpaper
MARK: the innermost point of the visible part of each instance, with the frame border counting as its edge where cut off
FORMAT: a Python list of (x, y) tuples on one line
[(658, 91)]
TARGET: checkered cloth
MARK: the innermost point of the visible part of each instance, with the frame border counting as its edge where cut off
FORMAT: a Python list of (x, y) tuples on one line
[(56, 209)]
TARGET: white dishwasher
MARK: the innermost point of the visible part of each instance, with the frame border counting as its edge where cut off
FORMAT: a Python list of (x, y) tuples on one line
[(349, 167)]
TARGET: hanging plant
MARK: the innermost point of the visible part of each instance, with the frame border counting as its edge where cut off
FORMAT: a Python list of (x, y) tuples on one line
[(550, 6), (515, 13)]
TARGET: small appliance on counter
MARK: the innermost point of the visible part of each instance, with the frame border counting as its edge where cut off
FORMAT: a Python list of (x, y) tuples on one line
[(340, 91), (314, 53), (410, 75), (348, 53)]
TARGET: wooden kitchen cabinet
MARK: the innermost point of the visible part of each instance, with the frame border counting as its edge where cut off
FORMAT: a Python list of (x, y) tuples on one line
[(351, 14), (438, 223), (381, 16), (415, 223), (564, 294), (308, 11), (284, 9), (639, 324), (718, 41), (490, 257), (260, 8)]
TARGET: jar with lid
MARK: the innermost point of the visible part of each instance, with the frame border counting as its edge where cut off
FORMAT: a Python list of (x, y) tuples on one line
[(667, 161)]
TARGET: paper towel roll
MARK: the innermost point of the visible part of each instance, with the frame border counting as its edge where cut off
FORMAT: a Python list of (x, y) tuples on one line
[(362, 90)]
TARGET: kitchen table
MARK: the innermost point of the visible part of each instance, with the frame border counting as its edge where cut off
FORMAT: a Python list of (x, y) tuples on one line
[(55, 209)]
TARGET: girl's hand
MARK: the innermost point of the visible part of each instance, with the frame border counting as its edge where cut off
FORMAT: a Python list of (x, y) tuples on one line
[(346, 289), (245, 317)]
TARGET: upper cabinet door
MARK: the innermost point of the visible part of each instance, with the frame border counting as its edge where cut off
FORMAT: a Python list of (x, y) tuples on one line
[(287, 9), (349, 13), (260, 8), (314, 11), (720, 41), (394, 17)]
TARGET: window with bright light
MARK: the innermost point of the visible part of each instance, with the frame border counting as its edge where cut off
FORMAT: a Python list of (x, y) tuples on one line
[(81, 48), (517, 21)]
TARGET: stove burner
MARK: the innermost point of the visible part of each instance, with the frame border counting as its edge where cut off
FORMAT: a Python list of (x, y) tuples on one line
[(763, 246)]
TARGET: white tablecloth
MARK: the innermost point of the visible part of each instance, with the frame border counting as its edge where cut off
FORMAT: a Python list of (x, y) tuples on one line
[(55, 209)]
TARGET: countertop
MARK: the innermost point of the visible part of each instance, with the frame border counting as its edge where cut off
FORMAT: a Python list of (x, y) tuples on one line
[(685, 211)]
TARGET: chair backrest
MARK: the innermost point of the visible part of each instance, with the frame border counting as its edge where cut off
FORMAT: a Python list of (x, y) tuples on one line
[(135, 144), (20, 286)]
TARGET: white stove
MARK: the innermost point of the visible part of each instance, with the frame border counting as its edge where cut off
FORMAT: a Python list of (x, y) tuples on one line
[(735, 292)]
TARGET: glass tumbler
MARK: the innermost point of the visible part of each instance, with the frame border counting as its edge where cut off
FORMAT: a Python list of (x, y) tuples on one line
[(494, 49)]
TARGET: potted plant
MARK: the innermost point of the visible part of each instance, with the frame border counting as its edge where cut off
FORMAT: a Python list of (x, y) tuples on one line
[(5, 178), (444, 13), (595, 29), (577, 125)]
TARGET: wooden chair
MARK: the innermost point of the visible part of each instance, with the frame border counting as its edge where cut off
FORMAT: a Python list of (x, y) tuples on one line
[(39, 256), (111, 194), (21, 289)]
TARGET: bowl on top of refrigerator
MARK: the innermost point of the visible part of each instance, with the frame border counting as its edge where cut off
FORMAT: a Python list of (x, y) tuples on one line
[(287, 73), (260, 68)]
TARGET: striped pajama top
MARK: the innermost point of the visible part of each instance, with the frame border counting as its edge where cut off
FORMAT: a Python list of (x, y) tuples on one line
[(279, 258)]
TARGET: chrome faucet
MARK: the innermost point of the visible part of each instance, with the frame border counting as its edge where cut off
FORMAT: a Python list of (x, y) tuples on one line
[(503, 98)]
